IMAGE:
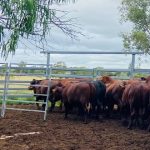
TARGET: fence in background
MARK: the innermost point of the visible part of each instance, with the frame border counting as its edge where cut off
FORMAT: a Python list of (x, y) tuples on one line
[(46, 71)]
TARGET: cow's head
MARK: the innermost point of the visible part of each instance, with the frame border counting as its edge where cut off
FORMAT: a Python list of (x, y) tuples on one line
[(105, 79), (33, 83), (56, 93)]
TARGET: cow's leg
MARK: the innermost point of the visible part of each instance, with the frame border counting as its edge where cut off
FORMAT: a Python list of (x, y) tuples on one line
[(137, 120), (43, 105), (52, 106), (110, 110), (148, 129), (124, 114), (85, 116), (66, 109), (61, 105), (148, 117), (87, 109), (132, 118), (37, 104), (119, 110), (142, 125), (97, 112), (143, 117)]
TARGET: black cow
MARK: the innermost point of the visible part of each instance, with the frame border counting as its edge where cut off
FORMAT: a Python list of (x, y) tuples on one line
[(98, 99)]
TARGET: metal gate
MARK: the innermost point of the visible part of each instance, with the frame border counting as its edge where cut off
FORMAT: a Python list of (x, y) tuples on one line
[(12, 85)]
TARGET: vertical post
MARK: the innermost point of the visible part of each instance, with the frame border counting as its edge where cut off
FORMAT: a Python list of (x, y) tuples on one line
[(93, 73), (47, 66), (48, 76), (132, 65), (98, 72), (5, 92)]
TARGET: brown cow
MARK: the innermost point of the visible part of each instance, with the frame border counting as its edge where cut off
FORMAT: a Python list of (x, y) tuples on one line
[(135, 102), (41, 87), (35, 86), (114, 91), (98, 90), (78, 95), (56, 92)]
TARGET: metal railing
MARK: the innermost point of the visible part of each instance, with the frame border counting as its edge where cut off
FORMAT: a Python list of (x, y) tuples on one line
[(11, 85), (48, 74), (7, 97)]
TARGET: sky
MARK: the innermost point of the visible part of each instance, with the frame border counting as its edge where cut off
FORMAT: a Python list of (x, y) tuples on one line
[(99, 21)]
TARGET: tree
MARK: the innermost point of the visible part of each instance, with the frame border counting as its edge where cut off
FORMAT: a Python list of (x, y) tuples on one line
[(3, 68), (59, 64), (21, 65), (138, 13), (31, 20)]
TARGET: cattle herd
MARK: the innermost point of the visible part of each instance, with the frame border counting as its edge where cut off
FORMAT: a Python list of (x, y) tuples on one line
[(130, 99)]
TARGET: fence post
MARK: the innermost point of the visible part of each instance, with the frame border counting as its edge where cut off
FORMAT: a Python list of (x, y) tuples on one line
[(48, 76), (93, 73), (132, 65), (5, 92), (47, 66)]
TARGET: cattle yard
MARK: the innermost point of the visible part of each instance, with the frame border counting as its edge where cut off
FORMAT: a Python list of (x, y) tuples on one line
[(19, 128), (56, 133), (7, 73)]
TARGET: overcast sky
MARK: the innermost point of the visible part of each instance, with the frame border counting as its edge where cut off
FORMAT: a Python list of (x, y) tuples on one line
[(100, 22)]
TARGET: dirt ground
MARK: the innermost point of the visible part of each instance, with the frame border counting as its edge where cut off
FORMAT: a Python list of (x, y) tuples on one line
[(59, 134)]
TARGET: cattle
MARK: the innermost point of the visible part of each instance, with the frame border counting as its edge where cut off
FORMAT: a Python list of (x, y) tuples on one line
[(114, 91), (34, 85), (56, 91), (98, 98), (136, 102), (97, 91), (78, 95), (40, 88)]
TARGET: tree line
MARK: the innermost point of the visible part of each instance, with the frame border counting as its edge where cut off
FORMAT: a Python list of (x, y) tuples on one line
[(59, 68)]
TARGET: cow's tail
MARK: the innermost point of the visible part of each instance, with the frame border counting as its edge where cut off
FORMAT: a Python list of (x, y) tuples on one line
[(92, 94)]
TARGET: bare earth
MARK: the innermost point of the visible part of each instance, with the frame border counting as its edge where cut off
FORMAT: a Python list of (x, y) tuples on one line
[(59, 134)]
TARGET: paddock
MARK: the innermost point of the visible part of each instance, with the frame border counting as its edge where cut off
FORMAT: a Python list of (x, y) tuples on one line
[(25, 129)]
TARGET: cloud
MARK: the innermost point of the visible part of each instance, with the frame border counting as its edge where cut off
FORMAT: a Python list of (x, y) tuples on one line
[(99, 21)]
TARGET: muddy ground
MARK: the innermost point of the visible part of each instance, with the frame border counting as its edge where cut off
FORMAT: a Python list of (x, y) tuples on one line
[(59, 134)]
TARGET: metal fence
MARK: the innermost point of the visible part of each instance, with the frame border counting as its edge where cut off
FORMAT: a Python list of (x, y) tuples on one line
[(10, 83), (46, 71)]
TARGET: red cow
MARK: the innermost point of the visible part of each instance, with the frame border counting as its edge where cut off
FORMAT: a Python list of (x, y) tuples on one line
[(135, 102), (114, 91), (78, 95)]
